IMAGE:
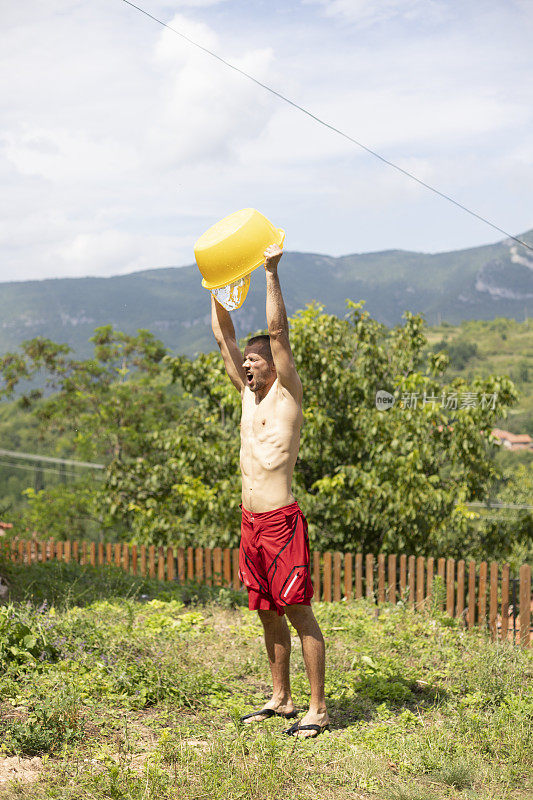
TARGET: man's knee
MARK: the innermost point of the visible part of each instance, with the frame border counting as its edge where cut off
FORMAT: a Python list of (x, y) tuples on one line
[(269, 618), (301, 617)]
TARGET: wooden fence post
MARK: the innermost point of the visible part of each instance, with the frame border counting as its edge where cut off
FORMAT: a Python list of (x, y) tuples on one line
[(450, 586), (411, 563), (460, 603), (92, 554), (151, 561), (482, 599), (170, 564), (369, 576), (190, 564), (199, 565), (493, 601), (420, 569), (403, 577), (316, 574), (134, 559), (505, 603), (348, 578), (429, 579), (235, 568), (327, 576), (525, 605), (471, 616), (143, 560), (391, 579), (118, 554), (381, 578), (208, 566), (161, 563), (358, 575), (441, 572), (337, 560), (226, 557), (126, 557)]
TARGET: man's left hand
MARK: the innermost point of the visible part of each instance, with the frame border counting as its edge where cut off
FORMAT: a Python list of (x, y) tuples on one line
[(272, 256)]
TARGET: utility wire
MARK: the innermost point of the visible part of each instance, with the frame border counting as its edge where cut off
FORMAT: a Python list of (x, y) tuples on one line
[(331, 127), (34, 468), (495, 504), (49, 459)]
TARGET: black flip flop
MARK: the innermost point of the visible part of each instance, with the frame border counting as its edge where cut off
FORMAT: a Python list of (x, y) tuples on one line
[(269, 712), (294, 729)]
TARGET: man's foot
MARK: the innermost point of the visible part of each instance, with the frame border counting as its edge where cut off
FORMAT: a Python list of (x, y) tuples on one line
[(271, 709), (317, 722)]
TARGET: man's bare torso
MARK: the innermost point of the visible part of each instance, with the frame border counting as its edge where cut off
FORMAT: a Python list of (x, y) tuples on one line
[(270, 439)]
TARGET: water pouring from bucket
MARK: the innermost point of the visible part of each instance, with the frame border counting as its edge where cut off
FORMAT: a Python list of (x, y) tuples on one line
[(229, 251)]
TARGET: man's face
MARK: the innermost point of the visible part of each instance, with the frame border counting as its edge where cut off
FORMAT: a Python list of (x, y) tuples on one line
[(260, 374)]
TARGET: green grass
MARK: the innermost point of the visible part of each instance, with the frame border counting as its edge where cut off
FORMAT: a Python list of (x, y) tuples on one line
[(133, 699)]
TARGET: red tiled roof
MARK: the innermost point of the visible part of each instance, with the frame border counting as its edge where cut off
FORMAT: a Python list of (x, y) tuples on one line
[(513, 438)]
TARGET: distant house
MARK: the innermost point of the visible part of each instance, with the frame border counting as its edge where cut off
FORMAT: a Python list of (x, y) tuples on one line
[(5, 526), (513, 441)]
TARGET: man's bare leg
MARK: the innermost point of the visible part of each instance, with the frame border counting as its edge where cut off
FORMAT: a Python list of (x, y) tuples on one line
[(278, 646), (314, 652)]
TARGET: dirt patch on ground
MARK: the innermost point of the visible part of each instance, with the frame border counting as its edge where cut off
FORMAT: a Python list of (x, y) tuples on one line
[(13, 768)]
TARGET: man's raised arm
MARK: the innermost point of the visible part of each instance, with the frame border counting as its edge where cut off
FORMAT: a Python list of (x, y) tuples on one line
[(278, 326), (225, 337)]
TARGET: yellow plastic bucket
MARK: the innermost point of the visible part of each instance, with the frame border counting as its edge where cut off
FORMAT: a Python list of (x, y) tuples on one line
[(232, 248)]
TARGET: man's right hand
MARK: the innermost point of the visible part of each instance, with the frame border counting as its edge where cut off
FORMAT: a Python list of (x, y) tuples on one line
[(272, 256)]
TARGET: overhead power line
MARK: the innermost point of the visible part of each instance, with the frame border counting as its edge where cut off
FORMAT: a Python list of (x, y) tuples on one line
[(490, 504), (328, 125), (34, 468), (50, 460)]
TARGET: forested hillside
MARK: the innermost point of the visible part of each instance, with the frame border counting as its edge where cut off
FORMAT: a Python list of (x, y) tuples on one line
[(478, 283)]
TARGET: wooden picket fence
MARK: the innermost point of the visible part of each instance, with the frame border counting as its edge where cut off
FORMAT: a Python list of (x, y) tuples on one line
[(480, 594)]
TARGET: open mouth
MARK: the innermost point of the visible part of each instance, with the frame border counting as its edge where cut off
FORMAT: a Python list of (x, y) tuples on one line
[(249, 377)]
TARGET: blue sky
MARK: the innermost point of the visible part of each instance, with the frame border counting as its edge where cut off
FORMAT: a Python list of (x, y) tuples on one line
[(120, 143)]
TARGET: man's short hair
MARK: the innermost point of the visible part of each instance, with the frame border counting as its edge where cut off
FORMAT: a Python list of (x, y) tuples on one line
[(261, 345)]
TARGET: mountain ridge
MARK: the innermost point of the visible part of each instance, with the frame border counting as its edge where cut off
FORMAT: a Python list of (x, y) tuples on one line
[(481, 282)]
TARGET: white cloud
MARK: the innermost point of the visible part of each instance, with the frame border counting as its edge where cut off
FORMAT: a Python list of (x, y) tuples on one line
[(107, 248), (120, 142), (370, 12), (60, 155)]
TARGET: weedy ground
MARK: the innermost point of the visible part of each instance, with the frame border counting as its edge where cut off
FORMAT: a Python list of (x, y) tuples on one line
[(130, 690)]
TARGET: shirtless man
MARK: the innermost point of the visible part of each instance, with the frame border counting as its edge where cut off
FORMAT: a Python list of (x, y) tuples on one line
[(274, 551)]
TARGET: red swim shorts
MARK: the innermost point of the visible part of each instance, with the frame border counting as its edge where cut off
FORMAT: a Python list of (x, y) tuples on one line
[(274, 558)]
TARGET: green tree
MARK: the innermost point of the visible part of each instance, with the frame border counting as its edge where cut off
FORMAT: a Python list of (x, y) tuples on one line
[(371, 480), (391, 481), (108, 403)]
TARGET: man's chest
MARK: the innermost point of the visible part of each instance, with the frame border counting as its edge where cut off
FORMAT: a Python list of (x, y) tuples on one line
[(273, 418)]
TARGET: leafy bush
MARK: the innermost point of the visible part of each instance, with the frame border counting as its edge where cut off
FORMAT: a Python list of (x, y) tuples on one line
[(21, 642), (44, 730)]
